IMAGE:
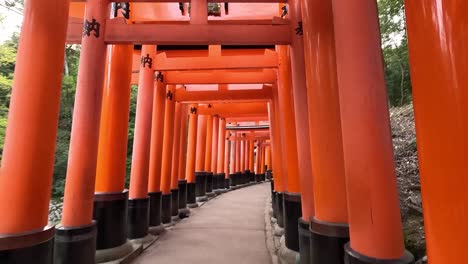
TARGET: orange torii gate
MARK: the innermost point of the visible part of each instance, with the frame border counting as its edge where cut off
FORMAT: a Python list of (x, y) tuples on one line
[(335, 40)]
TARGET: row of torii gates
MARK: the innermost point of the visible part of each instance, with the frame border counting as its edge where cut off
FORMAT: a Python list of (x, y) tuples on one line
[(320, 95)]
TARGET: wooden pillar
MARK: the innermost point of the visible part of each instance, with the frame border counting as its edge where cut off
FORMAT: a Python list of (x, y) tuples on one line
[(370, 172), (166, 165), (28, 155), (157, 133), (214, 151), (221, 154), (182, 181), (438, 59), (200, 174), (191, 155), (208, 151), (325, 131), (292, 196), (77, 213), (175, 161), (138, 203)]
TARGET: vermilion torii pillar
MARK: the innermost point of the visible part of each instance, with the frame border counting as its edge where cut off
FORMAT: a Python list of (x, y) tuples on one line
[(232, 160), (138, 203), (278, 166), (221, 154), (200, 175), (292, 196), (208, 149), (154, 173), (227, 152), (110, 196), (77, 215), (242, 159), (183, 210), (166, 165), (190, 169), (28, 155), (374, 213), (329, 226), (437, 36), (175, 162), (214, 151)]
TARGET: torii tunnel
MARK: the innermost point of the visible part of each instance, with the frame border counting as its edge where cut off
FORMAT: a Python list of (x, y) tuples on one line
[(290, 92)]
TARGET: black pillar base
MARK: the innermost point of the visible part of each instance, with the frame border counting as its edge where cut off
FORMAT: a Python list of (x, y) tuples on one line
[(274, 203), (327, 241), (182, 194), (257, 177), (209, 182), (215, 181), (175, 202), (191, 193), (354, 257), (138, 218), (304, 242), (238, 178), (155, 208), (166, 206), (232, 180), (110, 213), (279, 211), (292, 211), (35, 247), (227, 183), (75, 245), (262, 178), (269, 175), (219, 181), (200, 180)]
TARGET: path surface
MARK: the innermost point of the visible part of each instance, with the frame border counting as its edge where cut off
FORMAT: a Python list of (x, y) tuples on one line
[(227, 229)]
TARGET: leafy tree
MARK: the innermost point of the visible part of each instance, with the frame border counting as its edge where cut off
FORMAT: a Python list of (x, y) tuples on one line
[(395, 51)]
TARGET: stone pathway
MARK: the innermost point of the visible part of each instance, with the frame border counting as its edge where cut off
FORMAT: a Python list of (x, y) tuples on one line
[(230, 228)]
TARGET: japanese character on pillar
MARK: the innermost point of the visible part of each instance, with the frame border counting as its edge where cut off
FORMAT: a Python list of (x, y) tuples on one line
[(169, 95), (90, 27), (160, 77), (125, 9), (299, 30), (147, 60), (193, 110)]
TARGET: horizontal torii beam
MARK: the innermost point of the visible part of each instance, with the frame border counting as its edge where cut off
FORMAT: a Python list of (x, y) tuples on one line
[(234, 109), (248, 128), (247, 119), (163, 63), (209, 1), (181, 95), (267, 76), (188, 34)]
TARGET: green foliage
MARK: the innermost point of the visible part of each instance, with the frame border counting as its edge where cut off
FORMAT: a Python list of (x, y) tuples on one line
[(131, 131), (395, 51)]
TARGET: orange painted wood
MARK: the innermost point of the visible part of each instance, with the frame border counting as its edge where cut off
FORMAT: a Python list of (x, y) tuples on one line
[(324, 113), (168, 139), (234, 109), (216, 63), (276, 147), (214, 1), (183, 142), (208, 143), (373, 204), (182, 95), (266, 76), (288, 125), (190, 34), (301, 111), (437, 35), (157, 133), (201, 143), (214, 145), (28, 154), (142, 134), (242, 154), (113, 133), (192, 143), (82, 158), (226, 158), (238, 153), (221, 153), (176, 147)]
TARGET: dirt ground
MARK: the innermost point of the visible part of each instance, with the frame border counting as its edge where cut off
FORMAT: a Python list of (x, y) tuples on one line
[(407, 170)]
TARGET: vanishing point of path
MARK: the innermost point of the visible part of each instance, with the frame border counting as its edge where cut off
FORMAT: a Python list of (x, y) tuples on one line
[(227, 229)]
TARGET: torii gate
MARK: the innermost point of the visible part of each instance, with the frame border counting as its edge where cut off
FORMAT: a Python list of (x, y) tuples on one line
[(342, 111)]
